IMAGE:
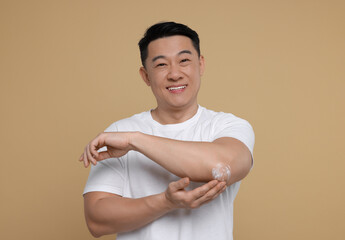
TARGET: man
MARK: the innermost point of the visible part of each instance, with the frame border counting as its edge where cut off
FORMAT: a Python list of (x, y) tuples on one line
[(172, 172)]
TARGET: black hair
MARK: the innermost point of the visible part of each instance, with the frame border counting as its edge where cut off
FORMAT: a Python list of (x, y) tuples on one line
[(166, 29)]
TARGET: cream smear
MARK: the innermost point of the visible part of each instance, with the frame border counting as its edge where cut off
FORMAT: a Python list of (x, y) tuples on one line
[(221, 172)]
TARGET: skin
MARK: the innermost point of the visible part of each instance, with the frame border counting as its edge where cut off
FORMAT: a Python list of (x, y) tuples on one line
[(171, 62)]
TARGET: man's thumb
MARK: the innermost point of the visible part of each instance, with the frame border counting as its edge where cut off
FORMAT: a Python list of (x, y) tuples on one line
[(182, 183), (103, 155)]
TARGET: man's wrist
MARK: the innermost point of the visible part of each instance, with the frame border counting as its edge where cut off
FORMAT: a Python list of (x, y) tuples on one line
[(159, 203), (133, 140), (167, 205)]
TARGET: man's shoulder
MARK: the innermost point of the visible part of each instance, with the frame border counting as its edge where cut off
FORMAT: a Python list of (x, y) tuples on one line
[(222, 119)]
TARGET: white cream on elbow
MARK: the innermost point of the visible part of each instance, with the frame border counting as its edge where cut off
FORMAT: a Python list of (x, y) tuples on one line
[(221, 172)]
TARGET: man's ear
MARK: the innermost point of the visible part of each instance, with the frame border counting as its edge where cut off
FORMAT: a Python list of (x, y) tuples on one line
[(144, 76), (202, 64)]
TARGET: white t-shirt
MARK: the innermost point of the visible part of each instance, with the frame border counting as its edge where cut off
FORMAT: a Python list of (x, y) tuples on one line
[(134, 176)]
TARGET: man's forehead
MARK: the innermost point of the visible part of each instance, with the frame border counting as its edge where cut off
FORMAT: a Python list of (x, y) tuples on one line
[(172, 45)]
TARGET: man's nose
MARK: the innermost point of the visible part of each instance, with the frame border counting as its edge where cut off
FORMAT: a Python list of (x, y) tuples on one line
[(174, 73)]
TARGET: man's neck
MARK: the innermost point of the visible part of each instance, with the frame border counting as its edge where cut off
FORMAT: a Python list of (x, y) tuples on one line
[(173, 116)]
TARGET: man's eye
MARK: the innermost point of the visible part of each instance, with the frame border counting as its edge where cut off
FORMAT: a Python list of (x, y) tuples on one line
[(185, 60), (160, 64)]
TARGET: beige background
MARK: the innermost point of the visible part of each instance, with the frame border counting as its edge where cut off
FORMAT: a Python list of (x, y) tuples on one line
[(70, 68)]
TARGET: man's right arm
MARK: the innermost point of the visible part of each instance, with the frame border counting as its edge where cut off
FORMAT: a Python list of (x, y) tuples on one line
[(108, 213)]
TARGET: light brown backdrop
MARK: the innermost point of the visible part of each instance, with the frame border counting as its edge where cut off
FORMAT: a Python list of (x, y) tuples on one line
[(70, 68)]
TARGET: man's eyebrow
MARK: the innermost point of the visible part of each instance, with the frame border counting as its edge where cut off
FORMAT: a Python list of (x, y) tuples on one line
[(161, 56), (185, 51), (158, 57)]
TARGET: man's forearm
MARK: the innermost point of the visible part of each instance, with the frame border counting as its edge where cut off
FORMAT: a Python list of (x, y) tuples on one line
[(195, 160), (114, 214)]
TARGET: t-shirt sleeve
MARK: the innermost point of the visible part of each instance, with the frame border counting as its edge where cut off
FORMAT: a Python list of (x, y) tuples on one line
[(108, 175), (229, 125)]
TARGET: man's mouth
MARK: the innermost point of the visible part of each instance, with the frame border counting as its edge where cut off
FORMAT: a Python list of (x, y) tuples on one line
[(176, 88)]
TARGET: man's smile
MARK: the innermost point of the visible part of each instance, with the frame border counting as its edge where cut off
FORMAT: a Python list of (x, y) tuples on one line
[(177, 89)]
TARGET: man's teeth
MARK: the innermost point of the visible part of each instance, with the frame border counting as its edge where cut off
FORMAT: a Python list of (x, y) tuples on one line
[(176, 88)]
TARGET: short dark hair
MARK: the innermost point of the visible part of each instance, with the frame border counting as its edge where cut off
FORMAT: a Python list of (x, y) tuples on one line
[(166, 29)]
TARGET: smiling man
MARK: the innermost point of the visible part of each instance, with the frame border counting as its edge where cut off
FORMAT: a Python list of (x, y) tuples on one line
[(172, 172)]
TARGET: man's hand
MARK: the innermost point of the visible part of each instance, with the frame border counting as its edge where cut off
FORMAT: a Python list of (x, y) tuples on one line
[(117, 145), (179, 198)]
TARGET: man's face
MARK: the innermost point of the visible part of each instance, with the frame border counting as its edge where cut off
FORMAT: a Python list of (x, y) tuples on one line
[(173, 70)]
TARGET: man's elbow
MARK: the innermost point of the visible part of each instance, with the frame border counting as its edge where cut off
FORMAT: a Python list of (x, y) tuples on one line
[(239, 170), (231, 170), (98, 229), (222, 172), (95, 234), (94, 229), (95, 216)]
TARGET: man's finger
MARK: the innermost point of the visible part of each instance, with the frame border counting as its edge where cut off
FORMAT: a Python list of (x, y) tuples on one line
[(201, 191), (219, 192), (211, 194), (89, 155), (93, 147), (180, 184), (86, 162), (214, 197), (210, 191), (103, 155)]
